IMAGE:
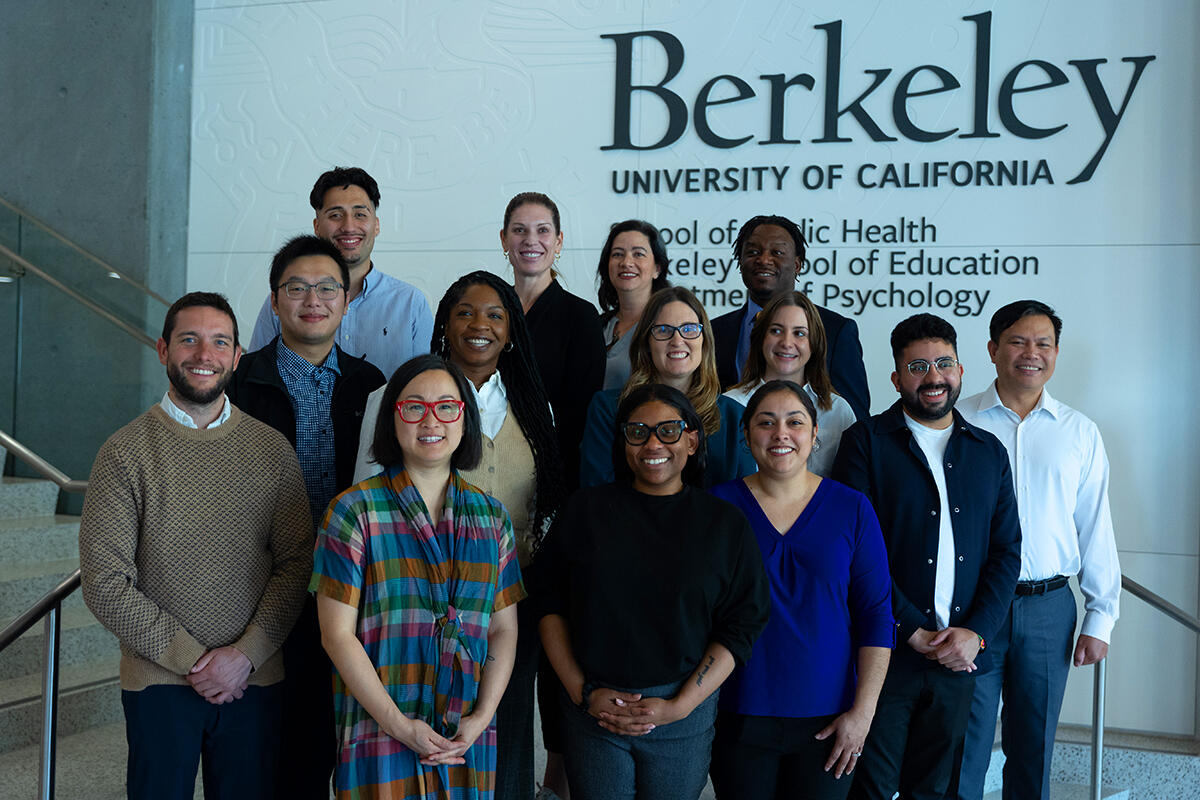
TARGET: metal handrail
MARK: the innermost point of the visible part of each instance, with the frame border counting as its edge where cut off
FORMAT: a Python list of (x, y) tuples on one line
[(1160, 604), (49, 607), (136, 333), (108, 268), (41, 466)]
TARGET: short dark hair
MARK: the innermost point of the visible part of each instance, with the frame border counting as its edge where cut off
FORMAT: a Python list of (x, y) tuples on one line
[(770, 387), (192, 300), (537, 199), (606, 294), (770, 219), (302, 246), (340, 178), (386, 450), (1007, 316), (693, 470), (922, 326)]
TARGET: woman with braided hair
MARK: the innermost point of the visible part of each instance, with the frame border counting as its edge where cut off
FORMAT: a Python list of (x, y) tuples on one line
[(480, 328)]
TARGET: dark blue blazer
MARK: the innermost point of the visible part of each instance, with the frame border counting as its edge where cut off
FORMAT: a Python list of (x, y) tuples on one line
[(880, 458), (843, 355)]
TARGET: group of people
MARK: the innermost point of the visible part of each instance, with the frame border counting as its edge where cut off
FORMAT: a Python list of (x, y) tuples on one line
[(362, 548)]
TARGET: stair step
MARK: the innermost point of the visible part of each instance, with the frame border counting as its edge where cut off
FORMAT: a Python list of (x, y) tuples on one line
[(1074, 791), (29, 539), (27, 497), (89, 695), (89, 764), (22, 585), (82, 639)]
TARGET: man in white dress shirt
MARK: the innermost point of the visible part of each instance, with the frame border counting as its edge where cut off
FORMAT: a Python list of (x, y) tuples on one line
[(1061, 475)]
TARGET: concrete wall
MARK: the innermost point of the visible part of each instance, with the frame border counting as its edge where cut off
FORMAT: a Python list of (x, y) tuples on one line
[(97, 100)]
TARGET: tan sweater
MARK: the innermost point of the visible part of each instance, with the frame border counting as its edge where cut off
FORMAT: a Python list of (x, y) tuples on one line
[(507, 472), (193, 540)]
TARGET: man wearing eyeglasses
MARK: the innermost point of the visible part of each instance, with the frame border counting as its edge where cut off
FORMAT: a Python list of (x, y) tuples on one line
[(1061, 476), (386, 321), (303, 385), (943, 491)]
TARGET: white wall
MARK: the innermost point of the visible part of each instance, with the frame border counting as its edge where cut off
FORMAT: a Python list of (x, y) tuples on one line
[(455, 106)]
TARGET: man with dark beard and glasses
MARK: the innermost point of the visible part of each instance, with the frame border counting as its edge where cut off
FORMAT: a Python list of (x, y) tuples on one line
[(943, 491), (195, 549)]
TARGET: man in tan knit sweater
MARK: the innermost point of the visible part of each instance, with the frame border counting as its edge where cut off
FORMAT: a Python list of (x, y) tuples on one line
[(195, 550)]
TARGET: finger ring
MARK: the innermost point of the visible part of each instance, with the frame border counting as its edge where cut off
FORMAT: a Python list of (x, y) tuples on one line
[(856, 755)]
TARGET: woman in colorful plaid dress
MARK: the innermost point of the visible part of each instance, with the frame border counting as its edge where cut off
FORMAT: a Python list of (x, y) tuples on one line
[(417, 581)]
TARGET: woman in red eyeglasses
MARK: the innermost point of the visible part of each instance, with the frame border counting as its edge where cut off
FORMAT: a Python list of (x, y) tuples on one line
[(417, 582)]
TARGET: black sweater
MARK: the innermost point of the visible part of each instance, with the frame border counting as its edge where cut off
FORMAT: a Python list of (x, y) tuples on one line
[(645, 582)]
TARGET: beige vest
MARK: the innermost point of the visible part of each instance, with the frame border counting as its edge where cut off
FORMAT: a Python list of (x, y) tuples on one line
[(506, 472)]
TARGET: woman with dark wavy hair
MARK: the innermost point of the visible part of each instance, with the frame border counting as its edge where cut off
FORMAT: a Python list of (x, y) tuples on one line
[(633, 265), (652, 591), (480, 328)]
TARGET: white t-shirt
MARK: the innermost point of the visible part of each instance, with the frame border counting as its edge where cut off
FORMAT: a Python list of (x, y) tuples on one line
[(932, 442)]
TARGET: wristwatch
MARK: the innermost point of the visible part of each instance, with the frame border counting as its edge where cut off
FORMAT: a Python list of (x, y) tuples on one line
[(585, 694)]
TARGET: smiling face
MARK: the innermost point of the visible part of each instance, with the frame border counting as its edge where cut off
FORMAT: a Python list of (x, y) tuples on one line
[(768, 262), (1025, 355), (531, 240), (477, 331), (631, 266), (785, 346), (309, 321), (430, 443), (677, 358), (657, 467), (928, 398), (347, 220), (201, 356), (780, 434)]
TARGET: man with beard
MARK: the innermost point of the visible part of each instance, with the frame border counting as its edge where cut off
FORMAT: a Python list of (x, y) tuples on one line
[(199, 565), (1058, 459), (770, 252), (944, 495), (386, 320), (310, 390)]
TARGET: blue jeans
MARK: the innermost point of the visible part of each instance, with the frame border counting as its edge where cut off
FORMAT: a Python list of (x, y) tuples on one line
[(1027, 661), (668, 763)]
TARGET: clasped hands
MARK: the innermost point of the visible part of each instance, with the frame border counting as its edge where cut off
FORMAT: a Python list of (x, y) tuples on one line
[(432, 748), (630, 714), (953, 648), (220, 675)]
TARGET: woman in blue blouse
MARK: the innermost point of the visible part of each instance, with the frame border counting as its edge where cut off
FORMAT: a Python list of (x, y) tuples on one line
[(793, 720)]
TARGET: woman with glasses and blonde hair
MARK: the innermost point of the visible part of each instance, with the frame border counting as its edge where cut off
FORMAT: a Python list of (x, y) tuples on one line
[(672, 345), (787, 343), (417, 582)]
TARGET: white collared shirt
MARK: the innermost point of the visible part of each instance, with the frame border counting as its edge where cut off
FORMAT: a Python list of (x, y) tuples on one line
[(185, 419), (1060, 472)]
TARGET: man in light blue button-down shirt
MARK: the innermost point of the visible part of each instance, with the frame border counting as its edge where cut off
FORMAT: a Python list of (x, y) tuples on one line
[(387, 321)]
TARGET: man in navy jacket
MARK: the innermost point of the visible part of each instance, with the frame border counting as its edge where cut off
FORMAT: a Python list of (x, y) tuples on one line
[(770, 251), (942, 489)]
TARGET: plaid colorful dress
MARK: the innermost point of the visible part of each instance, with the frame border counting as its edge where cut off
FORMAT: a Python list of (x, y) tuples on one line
[(424, 596)]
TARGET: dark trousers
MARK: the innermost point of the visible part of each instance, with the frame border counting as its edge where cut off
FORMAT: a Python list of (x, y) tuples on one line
[(514, 716), (169, 729), (1027, 662), (307, 738), (916, 735), (773, 758)]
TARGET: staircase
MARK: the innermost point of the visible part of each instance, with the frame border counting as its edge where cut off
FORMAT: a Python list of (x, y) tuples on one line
[(38, 549)]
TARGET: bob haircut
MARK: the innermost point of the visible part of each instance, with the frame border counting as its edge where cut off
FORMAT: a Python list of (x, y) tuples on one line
[(693, 470), (816, 371), (769, 388), (386, 450), (606, 294), (705, 387)]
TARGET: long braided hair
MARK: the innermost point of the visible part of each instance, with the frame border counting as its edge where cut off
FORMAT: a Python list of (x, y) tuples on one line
[(526, 395)]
